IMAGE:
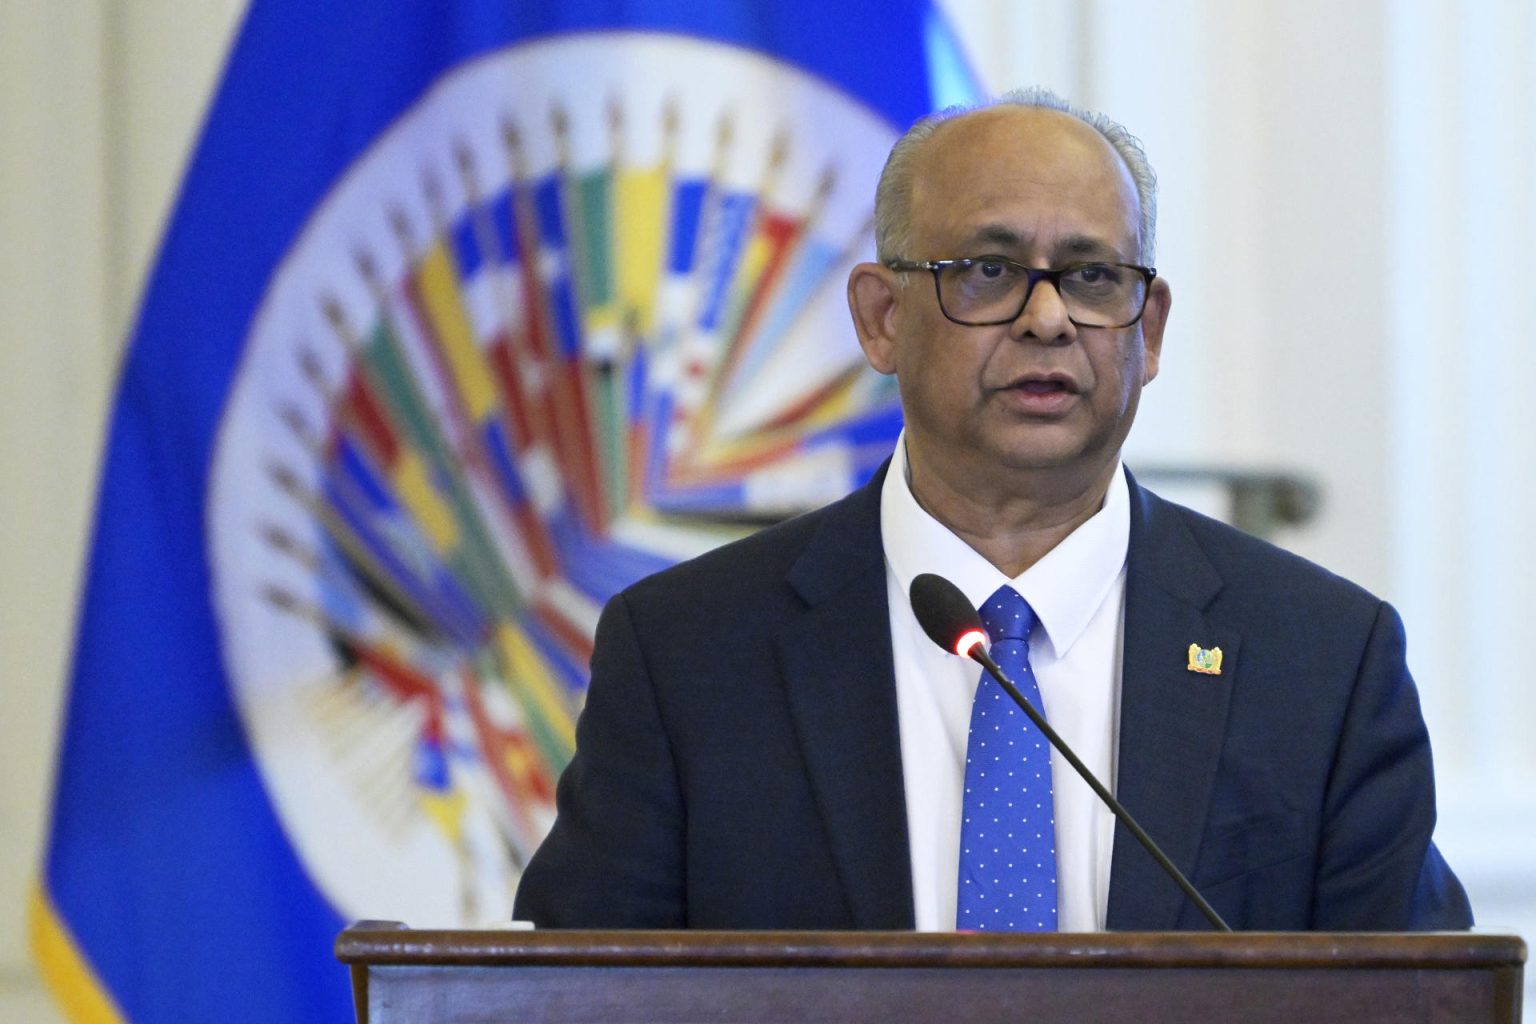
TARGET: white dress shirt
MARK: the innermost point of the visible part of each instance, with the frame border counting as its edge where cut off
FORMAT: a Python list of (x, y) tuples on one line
[(1078, 593)]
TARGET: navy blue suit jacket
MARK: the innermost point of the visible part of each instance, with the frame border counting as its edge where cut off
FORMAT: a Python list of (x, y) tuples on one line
[(738, 762)]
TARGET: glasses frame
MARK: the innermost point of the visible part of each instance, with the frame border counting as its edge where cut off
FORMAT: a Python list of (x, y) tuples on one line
[(1035, 276)]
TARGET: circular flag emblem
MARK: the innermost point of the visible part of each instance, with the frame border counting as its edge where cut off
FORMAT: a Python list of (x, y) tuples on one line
[(577, 314)]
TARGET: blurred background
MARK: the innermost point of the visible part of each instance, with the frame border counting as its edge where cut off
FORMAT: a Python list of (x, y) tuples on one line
[(1348, 202)]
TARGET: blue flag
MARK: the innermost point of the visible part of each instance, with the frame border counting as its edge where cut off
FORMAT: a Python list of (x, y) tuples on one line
[(469, 314)]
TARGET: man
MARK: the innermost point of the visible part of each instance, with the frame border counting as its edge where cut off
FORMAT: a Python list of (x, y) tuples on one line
[(770, 742)]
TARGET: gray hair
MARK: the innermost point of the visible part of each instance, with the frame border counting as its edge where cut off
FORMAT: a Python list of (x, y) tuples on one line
[(893, 196)]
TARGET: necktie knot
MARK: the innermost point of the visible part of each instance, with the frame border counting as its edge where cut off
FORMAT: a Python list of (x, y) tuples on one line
[(1007, 615)]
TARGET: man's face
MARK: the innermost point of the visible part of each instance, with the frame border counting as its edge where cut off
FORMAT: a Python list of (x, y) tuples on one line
[(1039, 393)]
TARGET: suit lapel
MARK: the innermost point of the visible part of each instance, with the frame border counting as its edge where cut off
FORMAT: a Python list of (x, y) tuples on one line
[(840, 680), (1172, 720)]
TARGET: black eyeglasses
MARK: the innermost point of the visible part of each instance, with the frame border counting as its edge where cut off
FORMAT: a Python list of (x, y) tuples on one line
[(991, 290)]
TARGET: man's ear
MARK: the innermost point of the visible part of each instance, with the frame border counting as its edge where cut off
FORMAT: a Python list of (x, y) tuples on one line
[(1153, 320), (872, 293)]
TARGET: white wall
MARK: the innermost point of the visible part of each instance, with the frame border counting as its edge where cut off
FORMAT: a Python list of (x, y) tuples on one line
[(1462, 196), (1348, 203), (1337, 178), (1265, 124)]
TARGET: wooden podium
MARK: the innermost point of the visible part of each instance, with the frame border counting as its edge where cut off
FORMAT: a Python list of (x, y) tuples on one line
[(437, 977)]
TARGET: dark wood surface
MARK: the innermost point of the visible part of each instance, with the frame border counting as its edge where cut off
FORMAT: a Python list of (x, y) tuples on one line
[(403, 974)]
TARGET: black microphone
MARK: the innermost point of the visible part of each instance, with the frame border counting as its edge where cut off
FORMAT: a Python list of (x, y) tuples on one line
[(950, 621)]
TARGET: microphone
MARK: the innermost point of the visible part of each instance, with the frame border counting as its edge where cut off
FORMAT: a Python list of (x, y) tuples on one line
[(950, 621)]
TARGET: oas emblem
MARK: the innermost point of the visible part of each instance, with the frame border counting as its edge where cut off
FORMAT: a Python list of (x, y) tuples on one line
[(578, 313)]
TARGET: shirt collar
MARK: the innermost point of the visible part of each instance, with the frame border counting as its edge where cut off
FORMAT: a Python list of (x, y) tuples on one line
[(1065, 588)]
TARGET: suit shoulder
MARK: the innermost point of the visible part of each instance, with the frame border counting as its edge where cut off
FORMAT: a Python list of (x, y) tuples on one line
[(1257, 570), (769, 551), (745, 568)]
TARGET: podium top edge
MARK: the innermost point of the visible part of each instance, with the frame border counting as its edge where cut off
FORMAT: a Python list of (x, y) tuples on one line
[(394, 944)]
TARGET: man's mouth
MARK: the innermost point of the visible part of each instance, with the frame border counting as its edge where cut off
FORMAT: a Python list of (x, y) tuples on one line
[(1041, 387), (1047, 395), (1044, 385)]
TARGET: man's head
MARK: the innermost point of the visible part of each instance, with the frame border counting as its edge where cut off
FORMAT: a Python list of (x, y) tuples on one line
[(1031, 399)]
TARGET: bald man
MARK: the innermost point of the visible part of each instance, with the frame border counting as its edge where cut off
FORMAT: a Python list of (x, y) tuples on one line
[(771, 742)]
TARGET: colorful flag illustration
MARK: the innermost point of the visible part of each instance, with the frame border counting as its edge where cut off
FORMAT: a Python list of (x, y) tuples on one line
[(469, 314)]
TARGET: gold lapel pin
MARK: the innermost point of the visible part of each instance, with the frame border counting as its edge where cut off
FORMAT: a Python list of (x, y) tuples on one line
[(1207, 662)]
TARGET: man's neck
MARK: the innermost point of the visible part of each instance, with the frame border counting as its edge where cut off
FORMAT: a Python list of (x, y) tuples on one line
[(1013, 528)]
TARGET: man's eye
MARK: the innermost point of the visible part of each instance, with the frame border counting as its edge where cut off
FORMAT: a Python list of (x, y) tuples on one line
[(1097, 274), (992, 269)]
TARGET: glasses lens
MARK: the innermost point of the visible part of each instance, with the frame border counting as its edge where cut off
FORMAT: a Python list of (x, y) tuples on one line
[(983, 291), (1103, 294)]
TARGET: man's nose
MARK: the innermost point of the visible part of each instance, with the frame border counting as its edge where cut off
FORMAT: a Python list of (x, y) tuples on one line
[(1044, 315)]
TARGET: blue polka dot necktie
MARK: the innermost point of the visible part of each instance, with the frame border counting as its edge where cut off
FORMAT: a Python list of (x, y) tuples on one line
[(1008, 824)]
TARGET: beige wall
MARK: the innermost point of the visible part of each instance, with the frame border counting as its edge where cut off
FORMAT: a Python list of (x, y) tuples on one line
[(98, 104), (54, 354)]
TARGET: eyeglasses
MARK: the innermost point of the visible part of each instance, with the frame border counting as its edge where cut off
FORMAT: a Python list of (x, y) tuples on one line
[(991, 290)]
